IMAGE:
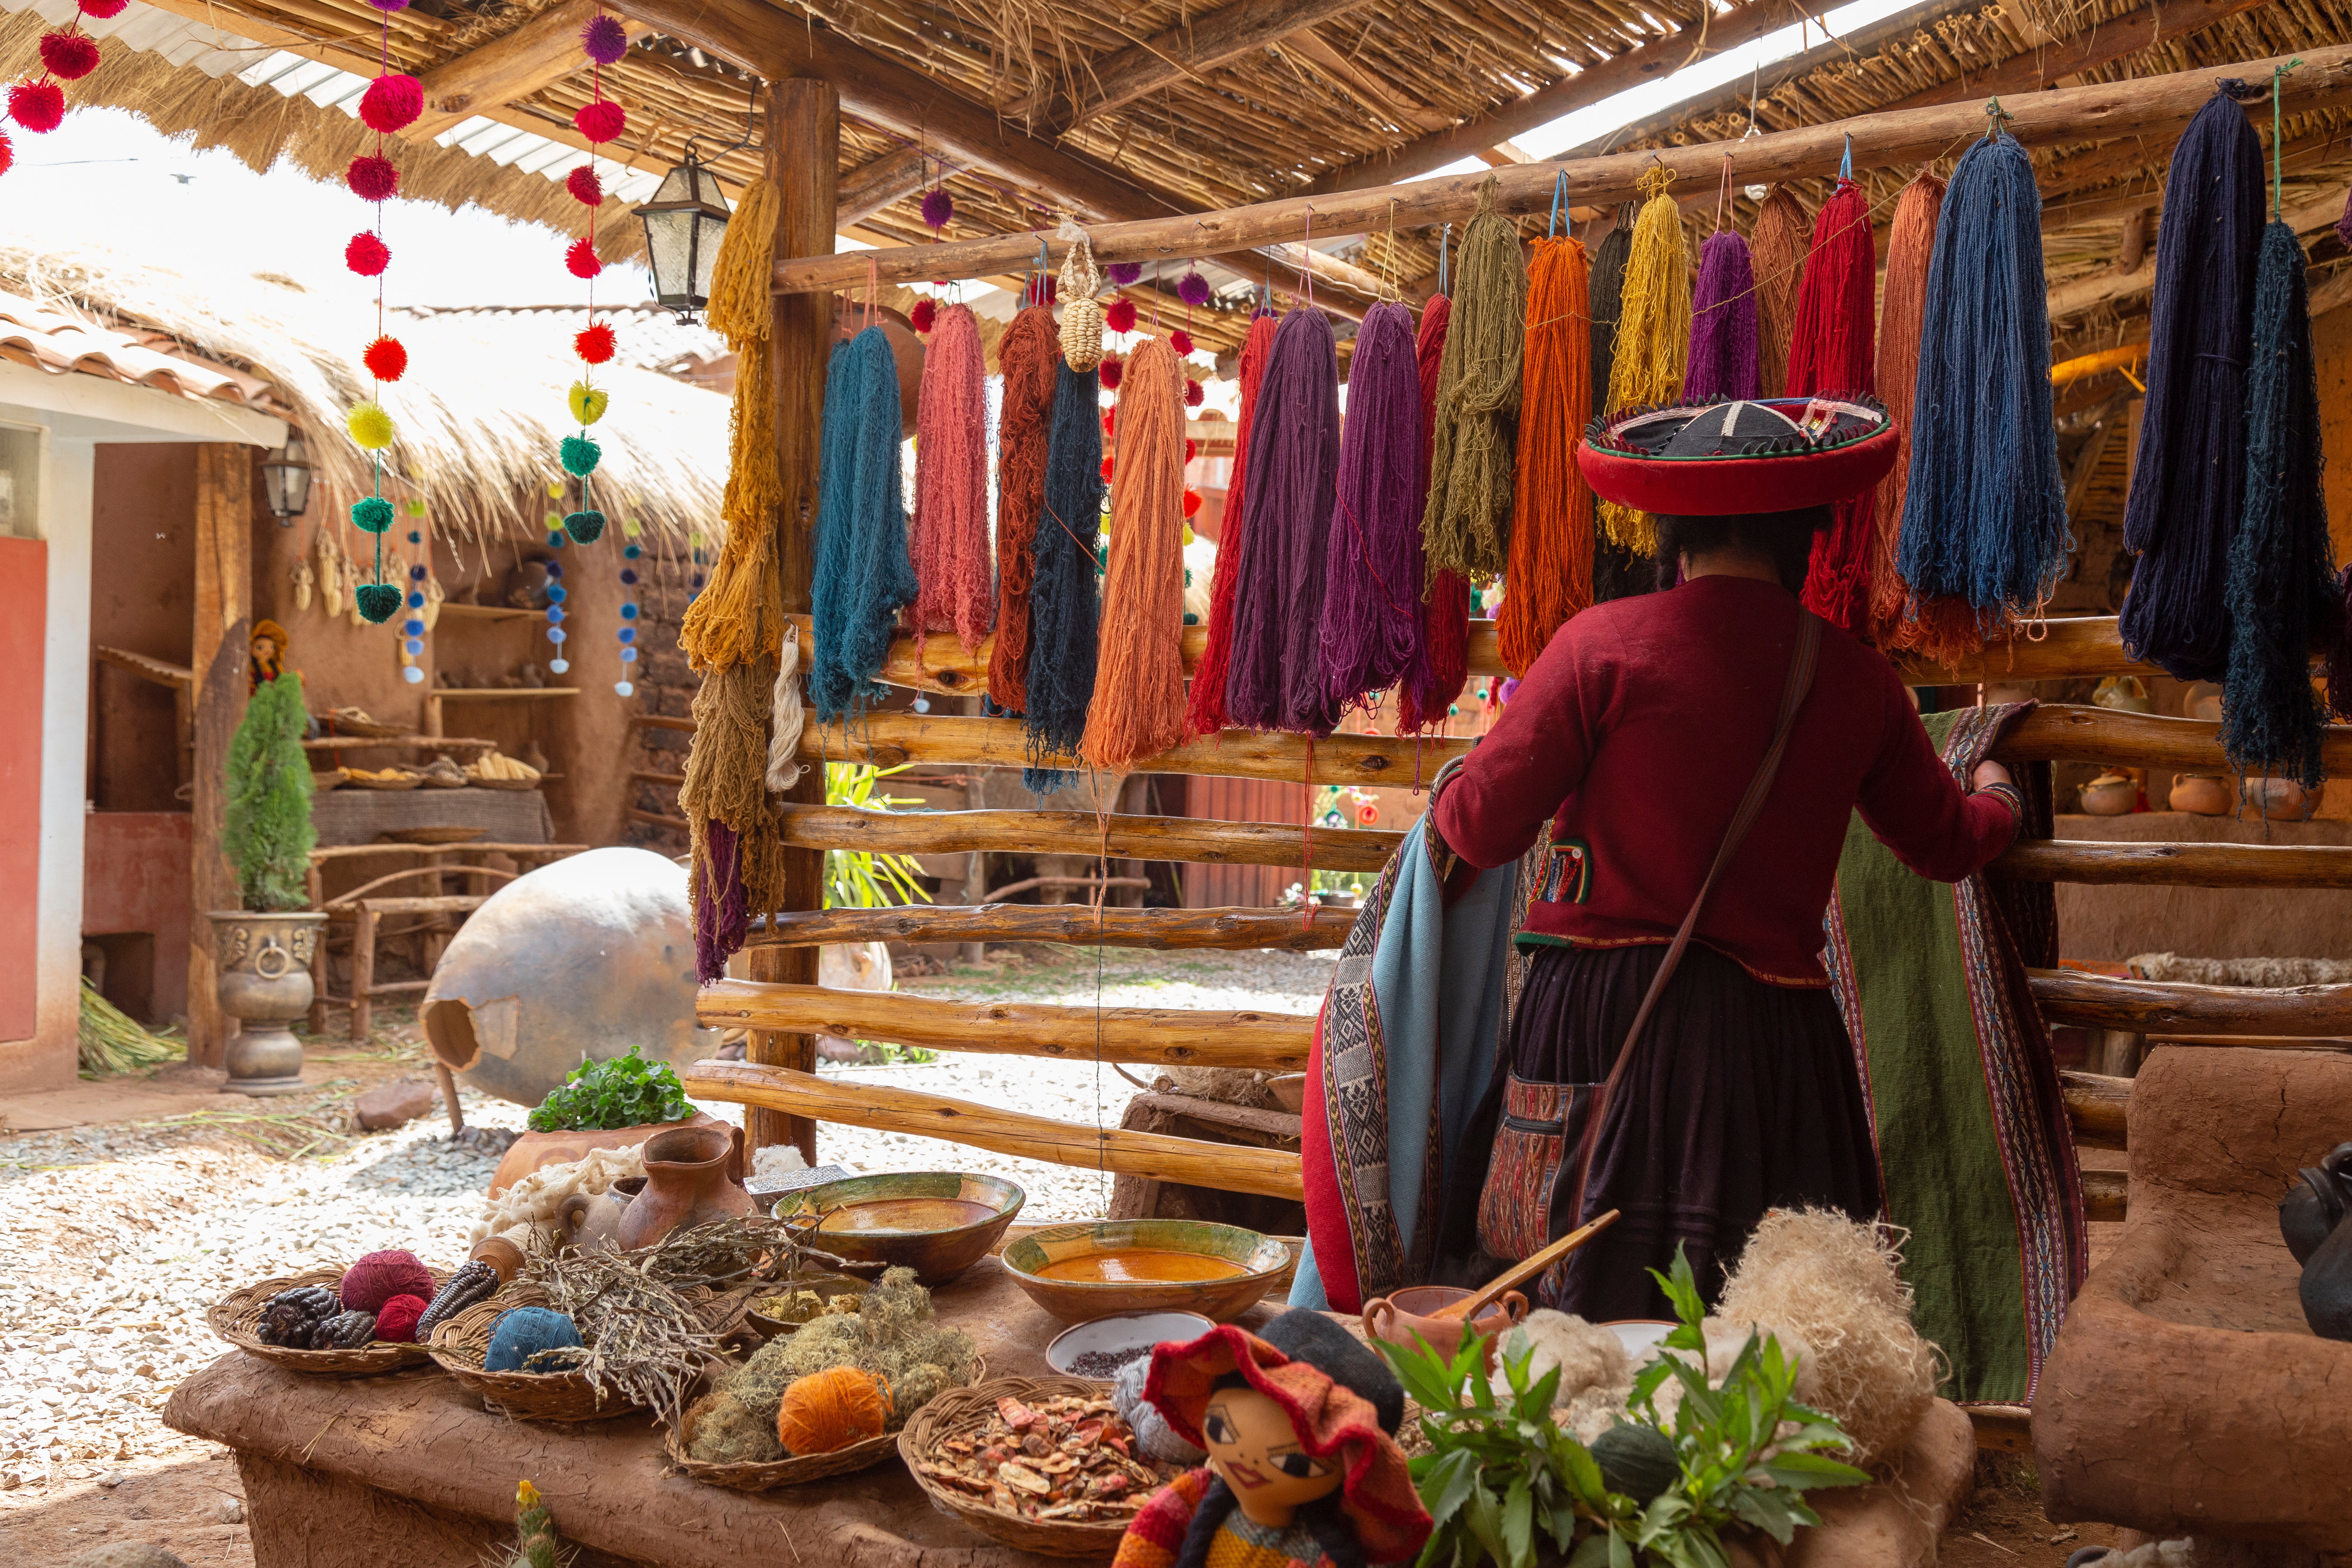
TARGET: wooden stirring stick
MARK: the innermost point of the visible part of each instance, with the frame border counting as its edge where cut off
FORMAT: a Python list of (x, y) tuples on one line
[(1469, 1307)]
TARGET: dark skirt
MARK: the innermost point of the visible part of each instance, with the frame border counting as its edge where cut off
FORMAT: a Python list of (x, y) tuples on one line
[(1740, 1097)]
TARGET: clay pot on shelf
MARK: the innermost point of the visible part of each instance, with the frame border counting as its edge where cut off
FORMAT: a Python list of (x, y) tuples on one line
[(1398, 1315), (2111, 794), (2124, 694), (2207, 794), (2203, 700), (693, 1175), (263, 962), (2280, 800)]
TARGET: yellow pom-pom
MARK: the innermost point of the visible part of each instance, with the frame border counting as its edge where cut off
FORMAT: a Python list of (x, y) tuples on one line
[(631, 527), (370, 425), (589, 403), (1188, 534), (832, 1409)]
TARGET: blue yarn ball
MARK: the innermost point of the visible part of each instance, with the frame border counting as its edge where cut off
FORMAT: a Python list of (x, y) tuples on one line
[(554, 614), (412, 626), (628, 655), (526, 1333), (557, 593), (629, 576), (555, 539), (415, 601), (628, 634), (580, 455), (373, 515), (632, 552), (416, 574)]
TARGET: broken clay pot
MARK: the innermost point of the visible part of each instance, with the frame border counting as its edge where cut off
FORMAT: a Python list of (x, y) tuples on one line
[(2313, 1206)]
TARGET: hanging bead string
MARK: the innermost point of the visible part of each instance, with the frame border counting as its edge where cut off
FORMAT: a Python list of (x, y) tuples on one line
[(67, 54), (391, 103)]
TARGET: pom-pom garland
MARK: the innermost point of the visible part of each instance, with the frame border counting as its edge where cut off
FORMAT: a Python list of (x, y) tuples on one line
[(1194, 395), (579, 259), (72, 56), (925, 315), (377, 1278), (389, 6), (1106, 464), (367, 256), (385, 359), (1112, 370), (1119, 315), (1191, 448), (39, 106), (604, 40), (588, 403), (396, 1320), (8, 152), (391, 103), (1123, 273), (370, 425), (104, 10), (1181, 341), (585, 526), (371, 515), (586, 187), (1192, 288), (377, 602), (601, 122), (523, 1338), (937, 207), (593, 344), (828, 1411), (1192, 502), (579, 456), (373, 179)]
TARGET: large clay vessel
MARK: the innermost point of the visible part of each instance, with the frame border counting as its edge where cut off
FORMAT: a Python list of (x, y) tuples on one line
[(2317, 1202), (263, 962), (693, 1175)]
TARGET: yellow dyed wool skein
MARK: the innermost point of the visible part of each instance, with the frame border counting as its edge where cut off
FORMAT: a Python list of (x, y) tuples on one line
[(1653, 328), (832, 1409)]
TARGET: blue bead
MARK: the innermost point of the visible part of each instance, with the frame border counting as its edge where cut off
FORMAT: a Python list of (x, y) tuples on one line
[(555, 633), (555, 570), (628, 612), (555, 539), (628, 655), (695, 582), (557, 593), (559, 665), (415, 537), (629, 576), (415, 601), (554, 614), (627, 634), (414, 645), (416, 574), (412, 626), (632, 550), (623, 689), (412, 675)]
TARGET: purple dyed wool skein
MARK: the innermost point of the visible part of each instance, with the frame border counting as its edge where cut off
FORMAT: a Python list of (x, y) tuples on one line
[(1371, 604)]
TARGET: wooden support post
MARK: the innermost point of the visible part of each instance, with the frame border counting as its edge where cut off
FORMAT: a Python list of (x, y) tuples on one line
[(804, 155), (363, 969), (223, 635)]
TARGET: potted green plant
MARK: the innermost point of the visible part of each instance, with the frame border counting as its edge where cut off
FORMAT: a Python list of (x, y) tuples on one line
[(262, 950)]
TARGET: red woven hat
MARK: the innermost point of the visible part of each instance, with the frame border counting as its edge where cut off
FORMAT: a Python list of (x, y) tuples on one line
[(1754, 454)]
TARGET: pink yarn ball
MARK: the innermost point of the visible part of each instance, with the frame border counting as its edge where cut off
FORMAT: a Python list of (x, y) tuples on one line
[(586, 187), (604, 40), (376, 1279), (396, 1319), (37, 106), (1193, 394), (367, 256), (373, 179), (104, 10), (602, 120), (72, 56), (391, 103), (580, 260), (1181, 341)]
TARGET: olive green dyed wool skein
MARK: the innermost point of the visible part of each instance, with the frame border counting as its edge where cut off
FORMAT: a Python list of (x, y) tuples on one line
[(1474, 455)]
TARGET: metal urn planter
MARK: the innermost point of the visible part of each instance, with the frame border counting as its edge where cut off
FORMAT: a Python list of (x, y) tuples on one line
[(263, 967)]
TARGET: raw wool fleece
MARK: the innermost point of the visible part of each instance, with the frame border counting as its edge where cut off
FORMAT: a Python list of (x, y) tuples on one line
[(534, 1200), (1835, 1284), (1227, 1086), (1596, 1375), (2273, 973)]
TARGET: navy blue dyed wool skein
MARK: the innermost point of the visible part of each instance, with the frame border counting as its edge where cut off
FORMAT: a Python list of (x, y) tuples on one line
[(1065, 599)]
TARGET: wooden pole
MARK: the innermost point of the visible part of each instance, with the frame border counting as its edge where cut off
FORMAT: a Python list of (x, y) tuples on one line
[(221, 658), (2098, 1106), (803, 153), (2177, 865), (1077, 925), (2154, 1007), (1188, 838)]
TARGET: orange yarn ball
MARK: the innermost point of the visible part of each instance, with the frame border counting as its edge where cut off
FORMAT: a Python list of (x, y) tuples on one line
[(832, 1409)]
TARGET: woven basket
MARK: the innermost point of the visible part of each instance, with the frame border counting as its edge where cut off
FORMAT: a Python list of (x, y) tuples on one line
[(796, 1471), (476, 782), (459, 1343), (235, 1317), (407, 781), (967, 1410)]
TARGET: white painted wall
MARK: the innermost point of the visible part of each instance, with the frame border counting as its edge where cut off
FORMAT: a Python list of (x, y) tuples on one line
[(65, 727)]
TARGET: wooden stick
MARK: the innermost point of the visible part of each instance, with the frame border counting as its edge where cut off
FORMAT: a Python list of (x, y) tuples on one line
[(1162, 1037), (1156, 1156), (2098, 1106), (1196, 840), (1159, 931), (1527, 1268), (2149, 1006), (2059, 733), (2106, 1195), (2177, 865)]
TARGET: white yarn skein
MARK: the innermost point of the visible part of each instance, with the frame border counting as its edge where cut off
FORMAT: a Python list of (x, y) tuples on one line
[(785, 767)]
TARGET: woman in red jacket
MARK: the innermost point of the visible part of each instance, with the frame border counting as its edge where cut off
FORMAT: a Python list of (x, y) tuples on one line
[(1635, 736)]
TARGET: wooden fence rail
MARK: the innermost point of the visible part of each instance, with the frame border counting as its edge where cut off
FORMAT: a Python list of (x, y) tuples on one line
[(1079, 925), (2284, 1015)]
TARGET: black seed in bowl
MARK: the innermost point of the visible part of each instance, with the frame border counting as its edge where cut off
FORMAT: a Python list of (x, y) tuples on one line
[(1104, 1365)]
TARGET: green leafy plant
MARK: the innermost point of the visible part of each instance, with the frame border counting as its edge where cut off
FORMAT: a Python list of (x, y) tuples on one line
[(863, 879), (620, 1091), (268, 837)]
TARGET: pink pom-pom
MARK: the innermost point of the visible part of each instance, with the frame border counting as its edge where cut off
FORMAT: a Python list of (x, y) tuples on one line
[(373, 179), (1112, 370), (396, 1319), (1193, 394), (376, 1279), (1123, 273), (925, 315), (586, 187), (37, 106), (391, 103), (937, 207), (367, 256), (7, 152), (604, 40), (104, 10), (385, 359), (72, 56), (602, 120), (593, 344), (1119, 315), (580, 260), (1192, 288), (1181, 341)]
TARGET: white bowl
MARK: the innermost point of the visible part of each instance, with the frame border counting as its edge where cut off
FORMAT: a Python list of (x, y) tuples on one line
[(1121, 1332), (1639, 1336)]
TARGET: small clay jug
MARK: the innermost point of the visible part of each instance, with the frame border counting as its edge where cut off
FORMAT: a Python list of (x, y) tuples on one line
[(2316, 1204), (2280, 800), (591, 1222), (2206, 795), (2110, 795), (693, 1175), (1398, 1315)]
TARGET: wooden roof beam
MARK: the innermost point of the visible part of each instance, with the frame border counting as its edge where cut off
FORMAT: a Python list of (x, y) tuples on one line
[(1165, 58), (515, 65), (2099, 44), (872, 186)]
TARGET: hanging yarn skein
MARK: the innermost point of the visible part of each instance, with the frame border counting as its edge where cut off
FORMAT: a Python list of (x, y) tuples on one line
[(1910, 254), (1063, 601), (1205, 710), (948, 537), (2189, 479), (862, 576), (1466, 527), (1275, 679), (1724, 356), (1137, 708), (1550, 575), (1371, 604), (1832, 351), (1440, 664), (1654, 330), (1617, 572), (1776, 255), (1984, 516), (1030, 354)]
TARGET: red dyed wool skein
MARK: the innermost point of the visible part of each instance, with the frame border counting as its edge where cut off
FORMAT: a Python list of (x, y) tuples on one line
[(1834, 350), (72, 56), (37, 106), (377, 1278)]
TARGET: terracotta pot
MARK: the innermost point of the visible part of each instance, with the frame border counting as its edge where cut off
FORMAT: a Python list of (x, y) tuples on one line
[(1398, 1315), (264, 967), (2102, 798), (591, 1222), (2203, 793), (533, 1150), (2281, 800), (693, 1175)]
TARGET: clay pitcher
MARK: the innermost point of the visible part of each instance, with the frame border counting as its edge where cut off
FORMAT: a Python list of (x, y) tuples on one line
[(693, 1175), (1398, 1315)]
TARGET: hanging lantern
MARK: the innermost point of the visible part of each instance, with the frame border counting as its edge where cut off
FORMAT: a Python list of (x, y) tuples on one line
[(684, 224), (286, 479)]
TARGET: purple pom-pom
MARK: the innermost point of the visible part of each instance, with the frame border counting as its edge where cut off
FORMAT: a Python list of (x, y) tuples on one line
[(389, 6), (604, 40), (1122, 273), (937, 207), (1192, 288)]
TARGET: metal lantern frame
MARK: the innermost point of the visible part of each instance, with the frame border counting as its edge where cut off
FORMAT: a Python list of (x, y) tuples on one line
[(285, 478), (700, 216)]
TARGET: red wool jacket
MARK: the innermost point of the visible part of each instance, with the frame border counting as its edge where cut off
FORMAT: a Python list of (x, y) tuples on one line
[(1640, 726)]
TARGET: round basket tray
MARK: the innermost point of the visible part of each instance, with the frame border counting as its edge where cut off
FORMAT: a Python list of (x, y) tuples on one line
[(458, 1345), (351, 721), (237, 1315), (476, 782), (793, 1472), (408, 781), (967, 1410)]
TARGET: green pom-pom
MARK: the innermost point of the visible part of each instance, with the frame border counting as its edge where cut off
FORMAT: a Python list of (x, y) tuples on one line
[(586, 527), (377, 600), (373, 515), (580, 455)]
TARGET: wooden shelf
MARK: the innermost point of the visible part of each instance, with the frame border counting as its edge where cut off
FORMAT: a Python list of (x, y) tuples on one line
[(489, 612), (421, 743), (488, 692)]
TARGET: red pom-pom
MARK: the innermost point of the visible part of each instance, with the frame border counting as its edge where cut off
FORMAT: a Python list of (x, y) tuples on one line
[(1108, 416), (376, 1279), (602, 120), (1191, 448), (580, 260), (373, 179), (366, 254), (72, 56), (1106, 470), (1112, 370), (586, 187), (1119, 315), (925, 315), (1181, 341), (1193, 394), (385, 359), (1192, 502), (37, 106), (396, 1319), (391, 103), (593, 344), (8, 152), (604, 40), (104, 10)]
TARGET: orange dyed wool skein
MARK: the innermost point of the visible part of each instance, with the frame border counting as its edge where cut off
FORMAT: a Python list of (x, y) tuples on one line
[(1776, 252), (830, 1410), (948, 540), (1139, 702), (1549, 574)]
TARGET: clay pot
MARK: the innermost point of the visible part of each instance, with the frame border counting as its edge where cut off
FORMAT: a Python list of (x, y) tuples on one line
[(2109, 796), (2204, 794), (2316, 1204), (2124, 694), (591, 1222), (2203, 700), (1398, 1315), (533, 1150), (693, 1175), (2280, 800)]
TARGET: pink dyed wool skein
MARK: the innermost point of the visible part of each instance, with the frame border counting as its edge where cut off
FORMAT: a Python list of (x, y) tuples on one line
[(948, 540)]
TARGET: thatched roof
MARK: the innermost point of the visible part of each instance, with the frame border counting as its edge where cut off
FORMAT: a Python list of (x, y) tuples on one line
[(479, 414)]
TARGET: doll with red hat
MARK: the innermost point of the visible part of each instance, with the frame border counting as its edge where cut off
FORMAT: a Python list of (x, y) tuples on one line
[(1299, 1422)]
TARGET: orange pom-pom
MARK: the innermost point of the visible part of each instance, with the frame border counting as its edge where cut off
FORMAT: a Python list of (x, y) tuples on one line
[(832, 1409)]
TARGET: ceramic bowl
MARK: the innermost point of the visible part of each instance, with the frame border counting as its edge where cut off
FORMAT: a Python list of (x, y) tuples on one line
[(1289, 1091), (1640, 1335), (1125, 1335), (1261, 1258), (937, 1250)]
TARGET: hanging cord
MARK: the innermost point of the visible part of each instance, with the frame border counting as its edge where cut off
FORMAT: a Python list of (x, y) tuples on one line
[(1723, 194), (2278, 144), (1445, 239), (1306, 841), (1558, 199), (1997, 121), (1306, 265), (1846, 163)]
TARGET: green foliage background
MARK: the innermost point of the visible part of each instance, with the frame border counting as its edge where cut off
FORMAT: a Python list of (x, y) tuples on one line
[(269, 836)]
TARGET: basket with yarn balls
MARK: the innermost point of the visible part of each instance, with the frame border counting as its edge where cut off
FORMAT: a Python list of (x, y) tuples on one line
[(390, 1288), (510, 1353), (828, 1398)]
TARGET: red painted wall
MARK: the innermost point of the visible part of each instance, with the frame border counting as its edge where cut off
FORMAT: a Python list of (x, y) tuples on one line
[(136, 881), (24, 587)]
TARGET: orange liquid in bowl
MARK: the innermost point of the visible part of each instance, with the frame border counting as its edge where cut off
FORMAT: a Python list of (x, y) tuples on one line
[(906, 1216), (1140, 1265)]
